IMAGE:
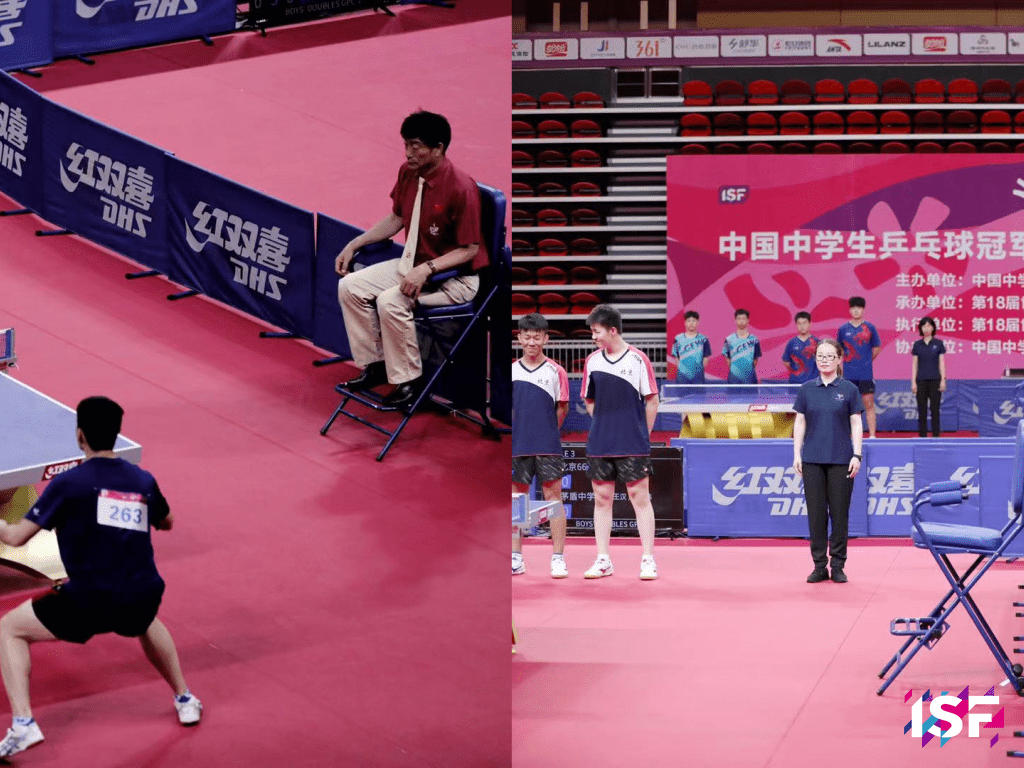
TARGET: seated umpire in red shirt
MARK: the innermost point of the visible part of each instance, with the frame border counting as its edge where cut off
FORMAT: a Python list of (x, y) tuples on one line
[(439, 207), (102, 511)]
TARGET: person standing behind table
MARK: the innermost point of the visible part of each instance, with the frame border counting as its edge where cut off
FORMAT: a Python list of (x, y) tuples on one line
[(827, 436), (690, 352), (743, 350), (800, 350), (861, 345), (928, 375)]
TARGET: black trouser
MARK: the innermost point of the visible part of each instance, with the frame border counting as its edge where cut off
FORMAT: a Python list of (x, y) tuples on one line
[(827, 490), (928, 391)]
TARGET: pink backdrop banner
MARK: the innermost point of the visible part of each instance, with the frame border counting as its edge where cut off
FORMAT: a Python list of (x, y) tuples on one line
[(915, 235)]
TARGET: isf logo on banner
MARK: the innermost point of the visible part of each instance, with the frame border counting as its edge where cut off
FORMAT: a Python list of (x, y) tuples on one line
[(947, 713), (731, 195)]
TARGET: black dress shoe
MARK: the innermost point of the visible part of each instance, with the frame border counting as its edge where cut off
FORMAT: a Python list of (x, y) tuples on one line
[(372, 375), (818, 574), (839, 576), (403, 395)]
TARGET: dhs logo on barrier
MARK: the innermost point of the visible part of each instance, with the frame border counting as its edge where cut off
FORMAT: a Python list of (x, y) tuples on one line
[(904, 401), (124, 192), (947, 713), (13, 137), (147, 9), (10, 11), (266, 248), (891, 490), (55, 469), (782, 485), (731, 195), (1007, 412)]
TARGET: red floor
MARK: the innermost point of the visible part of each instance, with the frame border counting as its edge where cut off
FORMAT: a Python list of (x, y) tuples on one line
[(731, 659), (329, 610)]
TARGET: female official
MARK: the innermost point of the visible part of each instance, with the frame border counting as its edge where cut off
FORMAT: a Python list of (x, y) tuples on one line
[(928, 375), (827, 439)]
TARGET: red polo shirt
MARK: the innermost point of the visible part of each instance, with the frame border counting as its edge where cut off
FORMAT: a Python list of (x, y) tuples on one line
[(449, 212)]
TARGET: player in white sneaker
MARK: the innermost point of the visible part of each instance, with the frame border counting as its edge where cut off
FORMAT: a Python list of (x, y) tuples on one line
[(102, 511), (540, 402)]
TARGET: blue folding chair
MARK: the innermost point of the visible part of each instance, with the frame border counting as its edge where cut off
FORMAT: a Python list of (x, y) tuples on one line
[(436, 322), (944, 539)]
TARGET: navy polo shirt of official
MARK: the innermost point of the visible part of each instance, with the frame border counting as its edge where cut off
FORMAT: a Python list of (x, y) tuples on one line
[(928, 358), (827, 409)]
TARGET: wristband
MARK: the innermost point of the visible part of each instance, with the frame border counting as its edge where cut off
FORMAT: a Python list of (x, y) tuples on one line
[(431, 267), (857, 457)]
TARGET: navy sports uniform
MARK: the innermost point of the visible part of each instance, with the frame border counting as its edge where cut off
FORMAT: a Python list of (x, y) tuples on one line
[(536, 445)]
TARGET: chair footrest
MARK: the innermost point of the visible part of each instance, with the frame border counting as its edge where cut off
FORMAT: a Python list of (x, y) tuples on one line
[(368, 398), (918, 627)]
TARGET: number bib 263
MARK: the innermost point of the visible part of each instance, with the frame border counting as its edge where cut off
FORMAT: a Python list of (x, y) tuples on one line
[(122, 510)]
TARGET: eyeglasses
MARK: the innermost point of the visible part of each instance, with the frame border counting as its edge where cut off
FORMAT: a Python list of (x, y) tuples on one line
[(825, 358)]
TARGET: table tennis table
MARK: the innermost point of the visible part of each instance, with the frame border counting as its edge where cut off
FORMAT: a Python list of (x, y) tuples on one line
[(731, 410), (37, 442)]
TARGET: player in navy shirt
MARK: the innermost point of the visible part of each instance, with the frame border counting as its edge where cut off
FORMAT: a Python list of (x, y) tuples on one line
[(928, 375), (861, 345), (743, 350), (690, 351), (827, 436), (621, 394), (102, 511), (799, 353), (540, 402)]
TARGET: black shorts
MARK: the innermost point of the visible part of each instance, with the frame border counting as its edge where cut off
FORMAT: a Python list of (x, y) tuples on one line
[(628, 469), (866, 386), (546, 468), (76, 614)]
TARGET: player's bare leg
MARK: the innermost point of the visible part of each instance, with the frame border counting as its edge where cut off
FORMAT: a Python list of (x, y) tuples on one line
[(869, 413), (603, 494), (553, 492), (640, 497), (18, 629), (158, 646)]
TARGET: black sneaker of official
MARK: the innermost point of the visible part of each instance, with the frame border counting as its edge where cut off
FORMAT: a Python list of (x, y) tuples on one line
[(818, 574), (839, 576)]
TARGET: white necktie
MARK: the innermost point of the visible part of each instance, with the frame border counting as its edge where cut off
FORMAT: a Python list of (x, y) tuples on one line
[(409, 254)]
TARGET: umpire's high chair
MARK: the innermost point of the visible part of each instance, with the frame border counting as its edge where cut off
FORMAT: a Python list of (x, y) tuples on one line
[(944, 539), (465, 346)]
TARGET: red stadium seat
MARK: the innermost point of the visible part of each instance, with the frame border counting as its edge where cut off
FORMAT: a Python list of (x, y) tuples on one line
[(521, 275), (895, 90), (586, 158), (861, 148), (523, 248), (996, 121), (928, 148), (585, 275), (794, 123), (521, 189), (929, 91), (793, 148), (582, 129), (1019, 147), (963, 90), (582, 303), (894, 148), (862, 121), (523, 101), (551, 217), (828, 122), (996, 91), (551, 275), (829, 91), (523, 304), (827, 148), (551, 189), (552, 129), (928, 121), (552, 304), (585, 189), (729, 93), (551, 158), (584, 246), (863, 91), (522, 218), (795, 92), (895, 121), (523, 130), (1018, 92), (995, 147), (962, 147), (587, 100), (585, 217), (961, 121), (695, 125), (762, 92), (1018, 122), (694, 149), (760, 148), (697, 93), (522, 159), (727, 124), (554, 100), (727, 148), (761, 124), (551, 246)]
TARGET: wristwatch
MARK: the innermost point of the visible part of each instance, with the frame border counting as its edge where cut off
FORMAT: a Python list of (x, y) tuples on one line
[(433, 269)]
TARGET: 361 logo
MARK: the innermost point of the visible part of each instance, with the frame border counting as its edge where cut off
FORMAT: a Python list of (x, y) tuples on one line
[(947, 713)]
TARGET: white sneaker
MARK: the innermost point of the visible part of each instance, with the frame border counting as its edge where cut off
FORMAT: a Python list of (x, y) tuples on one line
[(20, 738), (518, 566), (648, 569), (189, 711), (559, 570), (601, 567)]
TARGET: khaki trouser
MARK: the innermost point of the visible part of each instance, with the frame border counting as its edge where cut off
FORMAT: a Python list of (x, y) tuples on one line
[(385, 330)]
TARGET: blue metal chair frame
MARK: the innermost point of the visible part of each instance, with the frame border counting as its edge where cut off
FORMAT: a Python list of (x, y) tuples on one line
[(942, 540), (471, 314)]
